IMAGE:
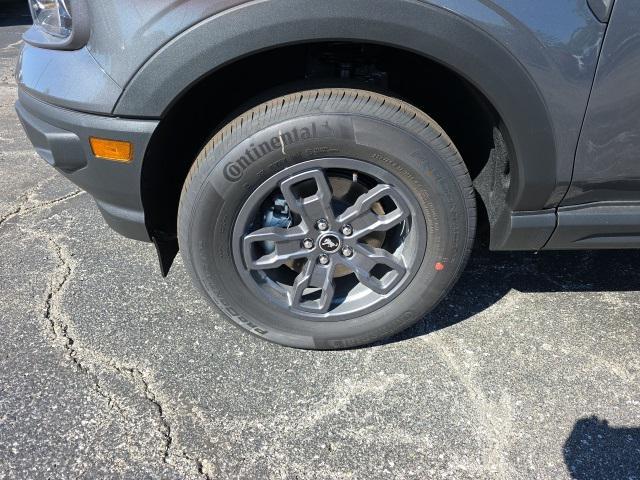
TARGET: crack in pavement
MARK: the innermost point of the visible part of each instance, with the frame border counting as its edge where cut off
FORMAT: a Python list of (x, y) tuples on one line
[(23, 209), (495, 417), (137, 377), (60, 329), (341, 395), (11, 45), (88, 362)]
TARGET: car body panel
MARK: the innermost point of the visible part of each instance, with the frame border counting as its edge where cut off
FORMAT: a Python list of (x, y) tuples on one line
[(538, 76), (602, 206), (607, 164), (535, 62), (71, 79), (601, 9), (125, 34)]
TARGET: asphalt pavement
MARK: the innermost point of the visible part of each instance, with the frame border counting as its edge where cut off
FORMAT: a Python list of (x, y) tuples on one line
[(530, 369)]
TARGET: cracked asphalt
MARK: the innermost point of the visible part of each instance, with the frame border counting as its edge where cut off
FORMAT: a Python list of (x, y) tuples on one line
[(529, 369)]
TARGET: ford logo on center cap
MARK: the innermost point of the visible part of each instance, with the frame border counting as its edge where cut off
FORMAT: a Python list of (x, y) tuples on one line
[(329, 243)]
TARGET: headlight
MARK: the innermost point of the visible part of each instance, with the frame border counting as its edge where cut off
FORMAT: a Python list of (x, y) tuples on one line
[(53, 16)]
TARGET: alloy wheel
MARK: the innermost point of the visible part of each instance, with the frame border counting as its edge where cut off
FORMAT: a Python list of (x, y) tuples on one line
[(329, 239)]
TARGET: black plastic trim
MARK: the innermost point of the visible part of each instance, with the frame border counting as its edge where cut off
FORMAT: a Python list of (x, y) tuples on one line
[(523, 230), (601, 225), (59, 148), (61, 137), (167, 248)]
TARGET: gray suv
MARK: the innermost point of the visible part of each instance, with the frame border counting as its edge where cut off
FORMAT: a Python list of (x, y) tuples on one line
[(322, 164)]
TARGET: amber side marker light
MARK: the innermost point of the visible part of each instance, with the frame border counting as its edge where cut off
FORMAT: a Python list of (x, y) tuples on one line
[(115, 150)]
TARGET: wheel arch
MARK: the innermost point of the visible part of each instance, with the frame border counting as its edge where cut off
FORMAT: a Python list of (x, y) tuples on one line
[(426, 30)]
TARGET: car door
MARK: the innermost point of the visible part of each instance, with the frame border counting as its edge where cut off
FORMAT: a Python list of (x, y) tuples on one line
[(602, 207)]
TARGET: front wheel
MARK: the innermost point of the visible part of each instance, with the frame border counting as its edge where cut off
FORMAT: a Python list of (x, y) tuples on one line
[(327, 218)]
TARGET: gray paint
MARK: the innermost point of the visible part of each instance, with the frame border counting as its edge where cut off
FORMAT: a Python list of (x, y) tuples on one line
[(122, 43), (542, 61), (538, 77), (534, 61), (608, 156), (71, 79), (601, 9)]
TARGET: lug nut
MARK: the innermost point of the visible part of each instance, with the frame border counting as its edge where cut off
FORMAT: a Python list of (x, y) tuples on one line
[(307, 243), (346, 230), (347, 251), (322, 225), (323, 259)]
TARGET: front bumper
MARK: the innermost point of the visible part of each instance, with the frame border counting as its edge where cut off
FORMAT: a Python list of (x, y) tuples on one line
[(61, 137)]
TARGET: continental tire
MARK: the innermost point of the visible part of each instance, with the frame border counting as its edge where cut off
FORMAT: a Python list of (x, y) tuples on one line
[(327, 218)]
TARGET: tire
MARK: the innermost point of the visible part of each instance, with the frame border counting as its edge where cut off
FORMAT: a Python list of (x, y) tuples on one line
[(252, 245)]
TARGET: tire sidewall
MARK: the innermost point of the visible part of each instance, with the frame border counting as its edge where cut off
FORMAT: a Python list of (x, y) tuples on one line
[(228, 175)]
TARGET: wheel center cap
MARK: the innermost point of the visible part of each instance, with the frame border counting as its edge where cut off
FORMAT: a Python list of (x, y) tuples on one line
[(329, 243)]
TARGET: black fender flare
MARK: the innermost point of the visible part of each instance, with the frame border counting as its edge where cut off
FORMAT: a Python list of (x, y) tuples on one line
[(419, 27)]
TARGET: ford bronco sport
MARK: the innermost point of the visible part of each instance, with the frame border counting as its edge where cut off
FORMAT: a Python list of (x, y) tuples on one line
[(321, 164)]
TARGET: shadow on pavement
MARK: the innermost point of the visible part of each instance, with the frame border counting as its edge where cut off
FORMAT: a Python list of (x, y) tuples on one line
[(596, 450), (489, 276)]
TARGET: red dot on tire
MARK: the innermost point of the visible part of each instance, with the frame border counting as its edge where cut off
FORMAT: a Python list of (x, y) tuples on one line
[(439, 266)]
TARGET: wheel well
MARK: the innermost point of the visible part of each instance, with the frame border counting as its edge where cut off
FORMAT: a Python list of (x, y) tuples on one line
[(463, 112)]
